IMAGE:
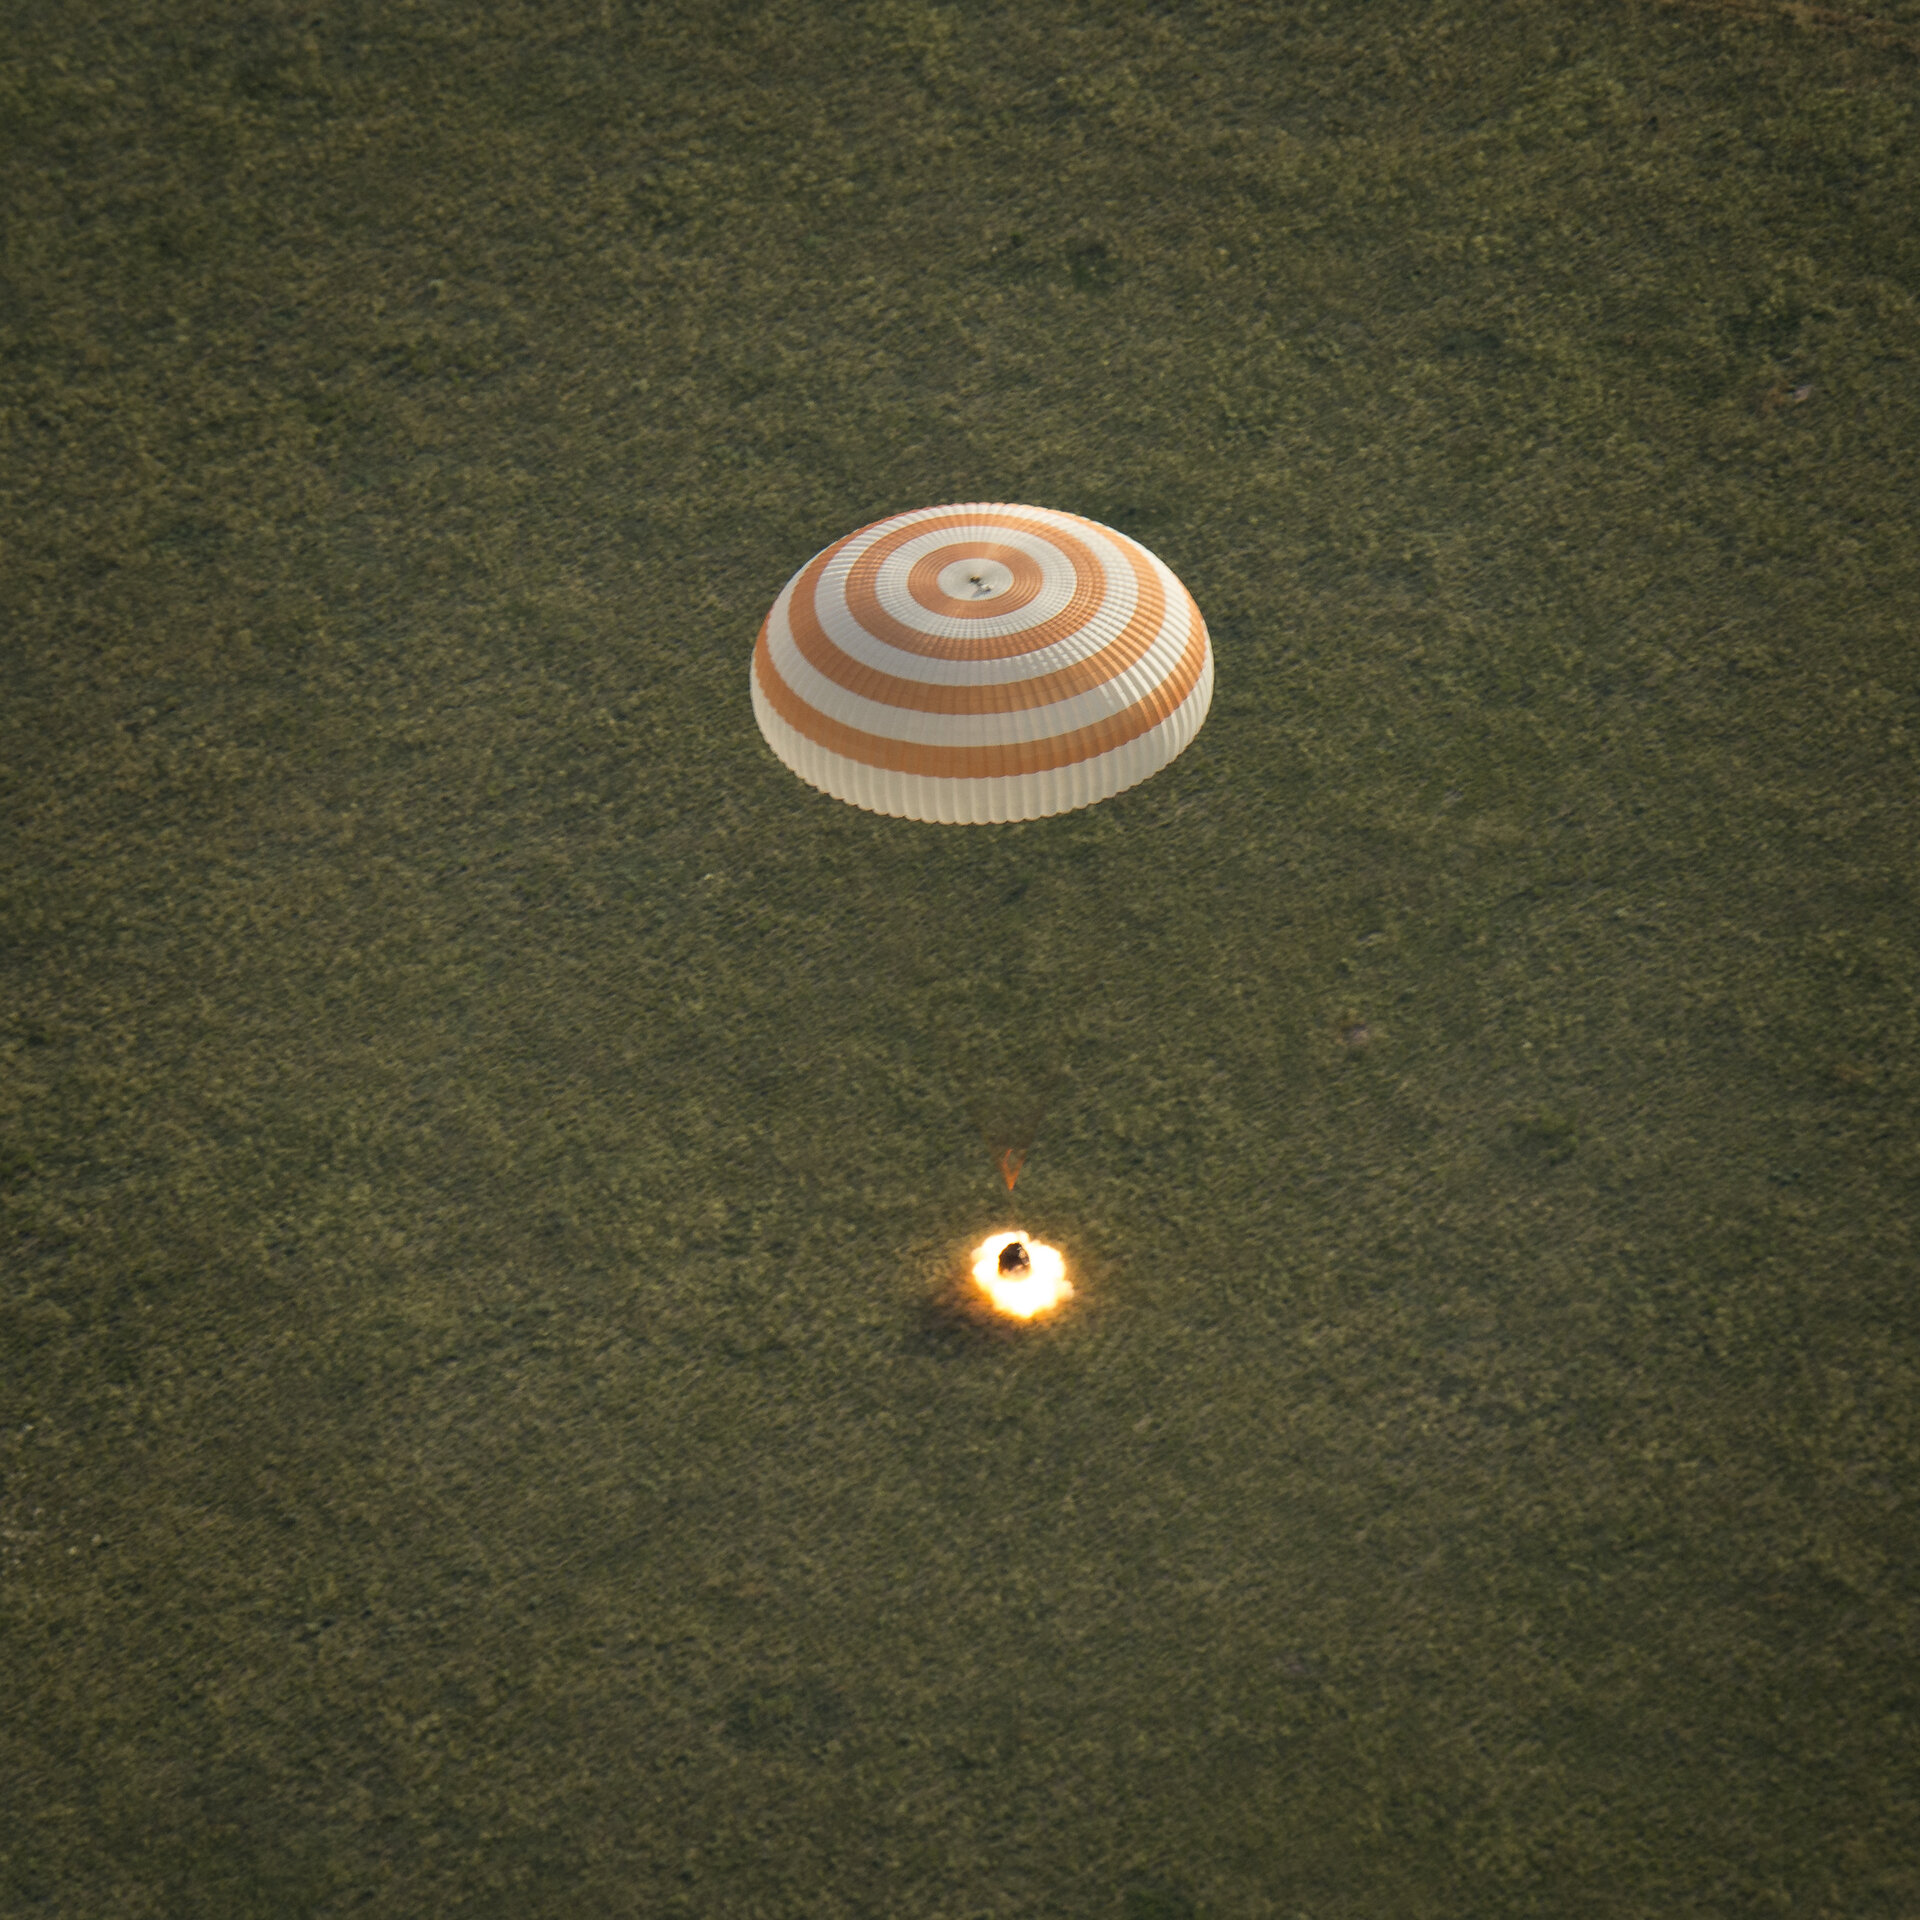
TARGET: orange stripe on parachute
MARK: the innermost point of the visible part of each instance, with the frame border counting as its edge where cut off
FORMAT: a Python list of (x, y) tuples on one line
[(1014, 758)]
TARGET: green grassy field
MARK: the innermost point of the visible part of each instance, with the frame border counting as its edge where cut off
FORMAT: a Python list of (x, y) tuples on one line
[(486, 1424)]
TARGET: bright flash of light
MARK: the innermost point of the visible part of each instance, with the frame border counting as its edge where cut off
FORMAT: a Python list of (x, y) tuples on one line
[(1022, 1295)]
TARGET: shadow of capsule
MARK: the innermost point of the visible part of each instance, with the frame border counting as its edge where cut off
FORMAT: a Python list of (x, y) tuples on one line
[(802, 1715), (1157, 1900), (1545, 1137), (1091, 267), (955, 1320)]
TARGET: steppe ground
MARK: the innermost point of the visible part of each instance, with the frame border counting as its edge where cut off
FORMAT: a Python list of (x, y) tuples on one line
[(487, 1424)]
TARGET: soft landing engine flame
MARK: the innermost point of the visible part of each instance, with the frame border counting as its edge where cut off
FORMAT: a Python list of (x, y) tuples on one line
[(1022, 1277)]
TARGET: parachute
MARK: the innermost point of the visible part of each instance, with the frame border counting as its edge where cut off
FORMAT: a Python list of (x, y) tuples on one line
[(981, 663)]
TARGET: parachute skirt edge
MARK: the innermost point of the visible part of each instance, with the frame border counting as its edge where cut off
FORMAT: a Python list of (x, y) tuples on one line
[(987, 802)]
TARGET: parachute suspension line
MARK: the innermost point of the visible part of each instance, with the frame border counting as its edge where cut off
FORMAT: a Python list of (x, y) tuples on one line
[(1007, 1133), (1013, 1156)]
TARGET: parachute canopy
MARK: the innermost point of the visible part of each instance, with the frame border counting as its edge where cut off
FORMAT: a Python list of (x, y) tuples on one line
[(981, 663)]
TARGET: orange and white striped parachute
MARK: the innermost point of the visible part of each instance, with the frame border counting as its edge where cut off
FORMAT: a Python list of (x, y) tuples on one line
[(981, 663)]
